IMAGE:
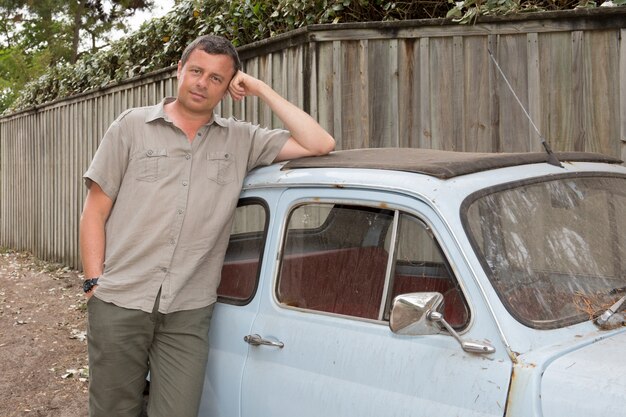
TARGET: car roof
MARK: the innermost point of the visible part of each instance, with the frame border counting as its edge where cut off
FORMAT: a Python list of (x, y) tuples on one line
[(436, 163)]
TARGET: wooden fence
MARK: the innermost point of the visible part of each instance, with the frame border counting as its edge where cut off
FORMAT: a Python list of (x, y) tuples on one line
[(427, 84)]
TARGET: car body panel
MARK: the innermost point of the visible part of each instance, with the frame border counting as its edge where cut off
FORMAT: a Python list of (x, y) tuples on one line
[(593, 374), (582, 376)]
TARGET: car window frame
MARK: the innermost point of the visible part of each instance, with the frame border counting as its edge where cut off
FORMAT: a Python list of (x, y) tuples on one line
[(463, 212), (247, 201), (386, 299)]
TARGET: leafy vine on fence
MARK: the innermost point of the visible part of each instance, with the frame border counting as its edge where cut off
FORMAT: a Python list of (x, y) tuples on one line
[(159, 42)]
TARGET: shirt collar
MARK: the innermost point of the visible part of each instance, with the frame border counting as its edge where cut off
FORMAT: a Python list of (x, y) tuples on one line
[(158, 112)]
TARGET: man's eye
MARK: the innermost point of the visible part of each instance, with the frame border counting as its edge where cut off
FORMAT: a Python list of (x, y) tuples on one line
[(216, 79)]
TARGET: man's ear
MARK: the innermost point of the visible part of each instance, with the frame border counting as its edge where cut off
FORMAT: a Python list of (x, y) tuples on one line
[(179, 69), (227, 94)]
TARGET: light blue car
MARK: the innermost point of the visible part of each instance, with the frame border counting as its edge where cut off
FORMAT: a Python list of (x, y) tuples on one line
[(412, 282)]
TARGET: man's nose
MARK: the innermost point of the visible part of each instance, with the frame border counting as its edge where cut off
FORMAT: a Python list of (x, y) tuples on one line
[(202, 81)]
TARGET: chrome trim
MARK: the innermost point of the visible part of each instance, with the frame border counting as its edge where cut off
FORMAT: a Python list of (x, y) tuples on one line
[(470, 346), (389, 269), (370, 203), (257, 340)]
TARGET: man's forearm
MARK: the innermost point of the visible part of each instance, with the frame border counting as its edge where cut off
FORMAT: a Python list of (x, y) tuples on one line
[(92, 245), (92, 235), (303, 128), (308, 138)]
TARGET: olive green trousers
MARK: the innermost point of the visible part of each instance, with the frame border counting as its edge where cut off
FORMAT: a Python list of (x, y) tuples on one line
[(124, 345)]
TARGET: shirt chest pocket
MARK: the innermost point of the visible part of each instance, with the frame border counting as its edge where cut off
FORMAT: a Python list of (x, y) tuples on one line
[(221, 167), (151, 165)]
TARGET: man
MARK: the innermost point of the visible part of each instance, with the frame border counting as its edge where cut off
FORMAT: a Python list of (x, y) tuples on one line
[(163, 187)]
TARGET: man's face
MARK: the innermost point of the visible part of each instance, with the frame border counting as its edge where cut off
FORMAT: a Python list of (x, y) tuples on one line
[(203, 81)]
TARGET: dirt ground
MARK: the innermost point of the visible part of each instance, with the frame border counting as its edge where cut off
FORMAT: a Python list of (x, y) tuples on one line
[(43, 351)]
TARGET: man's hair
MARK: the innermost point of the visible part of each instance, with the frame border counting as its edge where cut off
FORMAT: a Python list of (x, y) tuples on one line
[(214, 45)]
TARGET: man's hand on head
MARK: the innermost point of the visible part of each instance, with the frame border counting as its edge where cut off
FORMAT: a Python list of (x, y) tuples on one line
[(243, 85), (308, 138)]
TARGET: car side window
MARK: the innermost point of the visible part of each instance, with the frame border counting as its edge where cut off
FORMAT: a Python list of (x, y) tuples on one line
[(243, 257), (334, 259), (420, 266)]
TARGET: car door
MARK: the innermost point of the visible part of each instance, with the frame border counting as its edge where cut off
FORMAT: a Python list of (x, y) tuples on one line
[(320, 344)]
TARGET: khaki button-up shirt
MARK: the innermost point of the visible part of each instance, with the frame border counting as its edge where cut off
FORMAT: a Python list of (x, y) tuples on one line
[(173, 204)]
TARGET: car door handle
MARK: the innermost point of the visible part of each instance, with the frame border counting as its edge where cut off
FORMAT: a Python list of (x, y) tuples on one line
[(256, 340)]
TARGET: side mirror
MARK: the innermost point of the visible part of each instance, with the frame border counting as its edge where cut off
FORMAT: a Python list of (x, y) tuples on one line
[(409, 313), (416, 314)]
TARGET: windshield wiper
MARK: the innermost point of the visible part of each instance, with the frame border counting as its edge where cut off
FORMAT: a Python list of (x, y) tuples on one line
[(604, 317)]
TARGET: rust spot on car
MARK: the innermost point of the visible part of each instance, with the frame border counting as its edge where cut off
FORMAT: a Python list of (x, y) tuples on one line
[(383, 205), (517, 367), (510, 392)]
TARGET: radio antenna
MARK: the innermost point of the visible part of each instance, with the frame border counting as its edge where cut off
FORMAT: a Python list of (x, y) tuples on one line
[(552, 159)]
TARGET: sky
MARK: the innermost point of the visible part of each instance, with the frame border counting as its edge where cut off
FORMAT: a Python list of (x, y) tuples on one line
[(161, 7)]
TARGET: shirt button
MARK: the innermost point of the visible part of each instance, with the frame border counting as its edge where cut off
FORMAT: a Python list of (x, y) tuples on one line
[(184, 183), (163, 269), (187, 156), (150, 152), (172, 241), (180, 211)]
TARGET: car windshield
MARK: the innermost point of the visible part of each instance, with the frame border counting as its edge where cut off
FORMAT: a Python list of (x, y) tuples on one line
[(555, 250)]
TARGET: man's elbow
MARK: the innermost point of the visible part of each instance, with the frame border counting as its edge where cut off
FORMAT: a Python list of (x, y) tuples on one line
[(326, 146)]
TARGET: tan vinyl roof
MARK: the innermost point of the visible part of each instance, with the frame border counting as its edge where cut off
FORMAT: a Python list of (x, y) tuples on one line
[(440, 164)]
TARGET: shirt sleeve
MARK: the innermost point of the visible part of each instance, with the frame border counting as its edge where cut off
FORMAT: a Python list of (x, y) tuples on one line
[(110, 161), (265, 145)]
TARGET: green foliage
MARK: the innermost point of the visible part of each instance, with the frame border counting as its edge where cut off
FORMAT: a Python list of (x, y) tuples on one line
[(36, 37), (467, 11), (159, 42)]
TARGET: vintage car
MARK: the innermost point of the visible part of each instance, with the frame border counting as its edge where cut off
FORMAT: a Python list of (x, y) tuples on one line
[(413, 282)]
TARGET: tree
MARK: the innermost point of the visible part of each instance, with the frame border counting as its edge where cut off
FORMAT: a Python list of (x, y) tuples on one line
[(36, 35), (98, 17)]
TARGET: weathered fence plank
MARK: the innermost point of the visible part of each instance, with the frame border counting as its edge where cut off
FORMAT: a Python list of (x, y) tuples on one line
[(425, 129), (408, 94), (622, 91), (478, 96)]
